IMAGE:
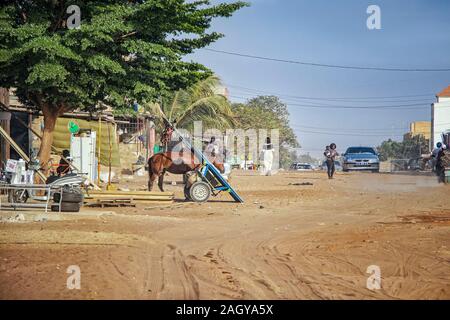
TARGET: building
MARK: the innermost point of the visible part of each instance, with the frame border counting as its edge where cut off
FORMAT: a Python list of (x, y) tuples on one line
[(440, 116), (417, 128), (120, 140)]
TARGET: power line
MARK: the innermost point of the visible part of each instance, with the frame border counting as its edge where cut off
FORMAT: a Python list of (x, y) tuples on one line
[(350, 134), (374, 130), (327, 65), (317, 102), (401, 106), (339, 99)]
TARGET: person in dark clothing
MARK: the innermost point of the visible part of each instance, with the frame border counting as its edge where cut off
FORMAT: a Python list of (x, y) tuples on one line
[(331, 154), (64, 166), (440, 168)]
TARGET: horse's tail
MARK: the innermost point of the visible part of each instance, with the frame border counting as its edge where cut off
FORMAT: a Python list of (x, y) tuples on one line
[(156, 164), (151, 164)]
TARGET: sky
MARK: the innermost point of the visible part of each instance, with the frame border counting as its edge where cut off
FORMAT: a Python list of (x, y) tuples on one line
[(413, 34)]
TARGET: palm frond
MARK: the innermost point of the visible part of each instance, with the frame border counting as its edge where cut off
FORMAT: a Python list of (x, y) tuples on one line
[(203, 101), (214, 108)]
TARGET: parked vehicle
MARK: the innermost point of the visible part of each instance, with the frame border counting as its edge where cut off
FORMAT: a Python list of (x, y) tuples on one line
[(361, 159), (298, 166)]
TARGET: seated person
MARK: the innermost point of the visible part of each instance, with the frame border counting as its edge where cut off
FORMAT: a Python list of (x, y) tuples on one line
[(64, 166)]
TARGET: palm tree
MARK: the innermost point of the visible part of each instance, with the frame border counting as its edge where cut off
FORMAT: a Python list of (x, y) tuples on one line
[(201, 102)]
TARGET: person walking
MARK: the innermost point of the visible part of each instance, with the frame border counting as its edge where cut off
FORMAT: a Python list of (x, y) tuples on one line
[(440, 168), (435, 154), (331, 154), (267, 158)]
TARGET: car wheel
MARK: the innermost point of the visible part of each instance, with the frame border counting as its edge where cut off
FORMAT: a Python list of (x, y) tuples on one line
[(199, 191)]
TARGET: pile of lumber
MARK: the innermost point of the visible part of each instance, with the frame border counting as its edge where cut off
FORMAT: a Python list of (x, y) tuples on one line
[(128, 196)]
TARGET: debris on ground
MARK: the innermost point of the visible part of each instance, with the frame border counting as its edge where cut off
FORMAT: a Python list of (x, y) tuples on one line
[(301, 184), (17, 218)]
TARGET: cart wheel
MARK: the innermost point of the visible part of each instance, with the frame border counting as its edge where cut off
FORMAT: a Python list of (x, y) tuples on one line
[(18, 196), (199, 191)]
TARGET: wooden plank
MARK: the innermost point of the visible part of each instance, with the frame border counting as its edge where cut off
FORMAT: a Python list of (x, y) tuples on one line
[(106, 197), (24, 156), (110, 203), (143, 193)]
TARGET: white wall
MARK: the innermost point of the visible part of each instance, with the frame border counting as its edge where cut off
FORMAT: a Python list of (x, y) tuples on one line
[(440, 115)]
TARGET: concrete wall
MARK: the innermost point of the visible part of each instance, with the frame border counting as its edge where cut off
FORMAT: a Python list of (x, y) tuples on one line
[(440, 115)]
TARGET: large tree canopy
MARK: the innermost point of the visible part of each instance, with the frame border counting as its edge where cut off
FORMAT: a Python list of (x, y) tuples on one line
[(123, 51)]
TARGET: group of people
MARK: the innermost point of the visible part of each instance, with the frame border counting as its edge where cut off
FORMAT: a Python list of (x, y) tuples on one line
[(330, 155), (212, 150)]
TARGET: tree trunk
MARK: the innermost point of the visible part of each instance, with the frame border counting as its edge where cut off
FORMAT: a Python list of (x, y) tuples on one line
[(50, 116)]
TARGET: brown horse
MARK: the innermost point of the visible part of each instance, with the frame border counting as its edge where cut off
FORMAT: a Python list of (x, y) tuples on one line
[(173, 162)]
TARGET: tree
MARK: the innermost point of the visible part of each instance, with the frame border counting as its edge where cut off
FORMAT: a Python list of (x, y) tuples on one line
[(306, 158), (410, 147), (200, 102), (268, 112), (124, 51)]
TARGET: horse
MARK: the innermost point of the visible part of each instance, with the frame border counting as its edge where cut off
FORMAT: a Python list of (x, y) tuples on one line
[(176, 163)]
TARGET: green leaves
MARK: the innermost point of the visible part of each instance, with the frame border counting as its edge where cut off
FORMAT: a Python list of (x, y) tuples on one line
[(45, 75), (410, 147), (123, 51), (266, 112), (48, 47), (201, 102), (104, 64)]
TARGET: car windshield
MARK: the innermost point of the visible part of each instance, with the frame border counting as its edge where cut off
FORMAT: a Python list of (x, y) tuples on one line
[(361, 150), (303, 166)]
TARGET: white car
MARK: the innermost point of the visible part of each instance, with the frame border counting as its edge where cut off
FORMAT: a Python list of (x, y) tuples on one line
[(297, 166)]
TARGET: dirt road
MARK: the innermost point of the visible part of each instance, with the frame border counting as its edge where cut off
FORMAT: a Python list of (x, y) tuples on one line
[(286, 241)]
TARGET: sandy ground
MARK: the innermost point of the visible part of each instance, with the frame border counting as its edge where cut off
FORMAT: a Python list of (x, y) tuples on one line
[(285, 242)]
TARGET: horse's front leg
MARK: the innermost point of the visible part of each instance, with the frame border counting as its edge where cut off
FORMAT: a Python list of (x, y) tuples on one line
[(151, 179), (161, 181)]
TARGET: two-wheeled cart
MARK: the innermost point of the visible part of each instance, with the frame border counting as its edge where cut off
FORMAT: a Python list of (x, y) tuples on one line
[(205, 181)]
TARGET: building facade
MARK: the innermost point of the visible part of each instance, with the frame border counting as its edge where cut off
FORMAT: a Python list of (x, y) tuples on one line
[(422, 128), (440, 116)]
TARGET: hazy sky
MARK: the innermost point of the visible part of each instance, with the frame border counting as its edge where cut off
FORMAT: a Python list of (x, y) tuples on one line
[(414, 34)]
